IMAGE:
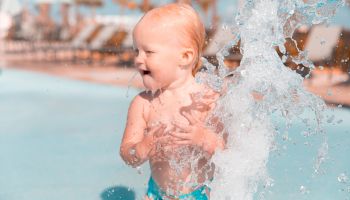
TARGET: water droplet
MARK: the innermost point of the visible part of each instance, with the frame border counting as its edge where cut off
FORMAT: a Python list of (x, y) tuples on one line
[(139, 170), (329, 92), (330, 119), (321, 157), (342, 178), (269, 183), (306, 133), (132, 151), (303, 190), (348, 189), (244, 73), (284, 58), (225, 27)]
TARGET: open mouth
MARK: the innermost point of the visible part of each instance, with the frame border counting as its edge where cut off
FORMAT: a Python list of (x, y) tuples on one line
[(146, 72)]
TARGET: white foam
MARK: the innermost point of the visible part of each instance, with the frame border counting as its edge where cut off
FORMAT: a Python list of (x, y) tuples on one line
[(262, 25)]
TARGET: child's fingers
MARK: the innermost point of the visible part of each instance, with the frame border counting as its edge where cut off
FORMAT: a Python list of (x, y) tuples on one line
[(181, 135), (163, 139), (156, 129), (190, 118), (182, 126), (167, 140), (152, 152), (182, 142)]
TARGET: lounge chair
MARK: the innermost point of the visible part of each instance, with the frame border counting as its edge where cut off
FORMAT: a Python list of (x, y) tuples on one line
[(113, 40), (342, 52), (127, 55), (321, 43), (80, 41), (108, 41)]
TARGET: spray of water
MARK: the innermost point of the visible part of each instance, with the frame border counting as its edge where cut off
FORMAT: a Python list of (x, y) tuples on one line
[(262, 26)]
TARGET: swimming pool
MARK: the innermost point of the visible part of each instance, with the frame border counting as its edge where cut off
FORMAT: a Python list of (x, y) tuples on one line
[(59, 139)]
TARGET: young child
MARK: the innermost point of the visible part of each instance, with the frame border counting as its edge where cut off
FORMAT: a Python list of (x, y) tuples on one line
[(170, 125)]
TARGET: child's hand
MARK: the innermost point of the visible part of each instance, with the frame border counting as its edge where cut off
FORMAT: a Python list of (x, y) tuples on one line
[(162, 143), (146, 146), (196, 133), (158, 140)]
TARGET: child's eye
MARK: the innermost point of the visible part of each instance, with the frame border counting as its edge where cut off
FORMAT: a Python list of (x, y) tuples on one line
[(149, 52)]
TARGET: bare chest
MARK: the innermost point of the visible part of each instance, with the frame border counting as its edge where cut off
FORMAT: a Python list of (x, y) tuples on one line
[(178, 110), (166, 113)]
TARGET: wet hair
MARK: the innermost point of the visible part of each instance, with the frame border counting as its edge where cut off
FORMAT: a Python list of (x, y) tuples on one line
[(191, 27)]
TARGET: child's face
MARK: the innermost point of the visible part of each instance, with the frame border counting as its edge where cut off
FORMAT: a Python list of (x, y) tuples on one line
[(159, 53)]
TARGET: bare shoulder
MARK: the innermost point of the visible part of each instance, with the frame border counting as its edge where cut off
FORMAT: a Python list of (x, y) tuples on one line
[(142, 99), (137, 116), (140, 104)]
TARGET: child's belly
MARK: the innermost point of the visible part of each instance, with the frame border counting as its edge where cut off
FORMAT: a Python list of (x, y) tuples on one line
[(180, 176)]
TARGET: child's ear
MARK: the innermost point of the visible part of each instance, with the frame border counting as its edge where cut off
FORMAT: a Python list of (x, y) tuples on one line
[(187, 57)]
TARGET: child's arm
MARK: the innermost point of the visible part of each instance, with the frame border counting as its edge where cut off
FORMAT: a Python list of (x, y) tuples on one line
[(136, 145)]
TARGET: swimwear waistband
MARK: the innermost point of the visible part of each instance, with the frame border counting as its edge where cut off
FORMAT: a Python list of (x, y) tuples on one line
[(156, 193)]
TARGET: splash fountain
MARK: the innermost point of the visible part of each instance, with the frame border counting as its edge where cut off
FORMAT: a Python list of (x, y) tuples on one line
[(262, 26)]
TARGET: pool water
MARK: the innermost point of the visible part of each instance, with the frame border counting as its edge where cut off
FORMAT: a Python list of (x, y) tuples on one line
[(292, 165), (59, 139)]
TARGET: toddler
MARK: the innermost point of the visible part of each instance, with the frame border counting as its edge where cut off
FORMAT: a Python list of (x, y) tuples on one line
[(170, 124)]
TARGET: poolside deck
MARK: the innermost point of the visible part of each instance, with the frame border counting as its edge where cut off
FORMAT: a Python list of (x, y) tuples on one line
[(107, 73), (329, 85)]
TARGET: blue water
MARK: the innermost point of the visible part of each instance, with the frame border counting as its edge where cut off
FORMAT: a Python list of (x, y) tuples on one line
[(59, 139), (292, 164)]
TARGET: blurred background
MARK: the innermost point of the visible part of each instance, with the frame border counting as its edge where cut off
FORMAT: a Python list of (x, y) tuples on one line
[(50, 34), (67, 78)]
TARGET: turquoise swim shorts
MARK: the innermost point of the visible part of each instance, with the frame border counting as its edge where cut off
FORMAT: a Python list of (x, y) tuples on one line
[(156, 193)]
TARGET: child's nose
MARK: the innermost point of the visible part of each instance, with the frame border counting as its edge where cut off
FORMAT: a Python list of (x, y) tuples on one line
[(139, 60)]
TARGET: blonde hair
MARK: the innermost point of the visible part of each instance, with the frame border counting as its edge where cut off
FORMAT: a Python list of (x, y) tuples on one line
[(192, 28)]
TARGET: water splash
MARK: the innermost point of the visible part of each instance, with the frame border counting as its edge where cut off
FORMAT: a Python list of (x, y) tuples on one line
[(262, 26), (130, 82), (321, 157), (343, 178), (303, 190)]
